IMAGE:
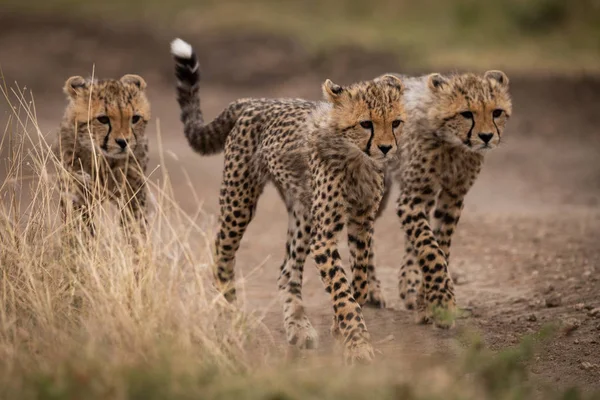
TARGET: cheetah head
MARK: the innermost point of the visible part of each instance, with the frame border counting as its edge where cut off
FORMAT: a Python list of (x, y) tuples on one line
[(369, 115), (111, 115), (470, 110)]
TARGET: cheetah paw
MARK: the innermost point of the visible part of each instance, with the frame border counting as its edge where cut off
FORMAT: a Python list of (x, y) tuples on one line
[(445, 316), (409, 294), (410, 300), (335, 331), (376, 299), (442, 316), (302, 335), (359, 353), (423, 316)]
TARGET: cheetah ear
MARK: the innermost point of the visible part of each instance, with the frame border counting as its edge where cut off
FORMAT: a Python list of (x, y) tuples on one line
[(135, 80), (436, 82), (74, 86), (497, 76), (332, 91), (392, 80)]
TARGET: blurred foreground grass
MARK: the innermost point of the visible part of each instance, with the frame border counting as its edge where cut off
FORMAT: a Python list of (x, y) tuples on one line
[(76, 322), (521, 35)]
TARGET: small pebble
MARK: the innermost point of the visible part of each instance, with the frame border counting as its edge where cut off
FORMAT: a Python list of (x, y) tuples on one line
[(458, 278), (579, 306), (387, 339), (587, 366), (532, 318), (570, 326), (549, 289), (594, 312), (553, 301)]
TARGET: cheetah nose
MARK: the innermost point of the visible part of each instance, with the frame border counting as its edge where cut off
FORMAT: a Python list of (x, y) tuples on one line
[(384, 148), (486, 137), (121, 142)]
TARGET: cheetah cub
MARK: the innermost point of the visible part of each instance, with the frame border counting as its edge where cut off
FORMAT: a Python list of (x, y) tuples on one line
[(103, 146), (327, 160), (454, 121)]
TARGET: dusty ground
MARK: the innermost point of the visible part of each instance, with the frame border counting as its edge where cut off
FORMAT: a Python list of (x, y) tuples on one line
[(529, 232)]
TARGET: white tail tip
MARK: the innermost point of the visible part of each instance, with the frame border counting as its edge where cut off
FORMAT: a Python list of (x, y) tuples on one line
[(180, 48)]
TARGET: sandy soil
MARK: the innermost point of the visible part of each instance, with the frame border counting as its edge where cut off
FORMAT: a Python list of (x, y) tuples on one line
[(531, 223)]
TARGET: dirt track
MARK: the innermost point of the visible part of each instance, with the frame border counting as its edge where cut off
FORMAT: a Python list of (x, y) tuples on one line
[(529, 230)]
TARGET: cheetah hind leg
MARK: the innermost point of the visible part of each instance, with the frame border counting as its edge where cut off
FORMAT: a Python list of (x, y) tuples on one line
[(357, 350), (376, 298), (410, 284), (300, 333)]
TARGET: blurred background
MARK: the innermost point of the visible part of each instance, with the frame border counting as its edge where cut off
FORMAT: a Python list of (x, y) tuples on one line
[(272, 40), (531, 222)]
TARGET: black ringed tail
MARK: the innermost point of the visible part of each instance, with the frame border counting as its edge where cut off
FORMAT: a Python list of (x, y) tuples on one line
[(204, 138)]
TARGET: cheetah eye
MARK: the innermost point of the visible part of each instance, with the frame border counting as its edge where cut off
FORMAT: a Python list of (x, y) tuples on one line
[(135, 119), (396, 123), (497, 113), (367, 124), (467, 114), (103, 119)]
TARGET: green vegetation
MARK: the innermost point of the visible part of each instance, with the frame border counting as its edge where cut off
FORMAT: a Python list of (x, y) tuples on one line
[(547, 35)]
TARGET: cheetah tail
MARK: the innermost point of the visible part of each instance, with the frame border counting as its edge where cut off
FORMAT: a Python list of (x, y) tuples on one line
[(204, 138)]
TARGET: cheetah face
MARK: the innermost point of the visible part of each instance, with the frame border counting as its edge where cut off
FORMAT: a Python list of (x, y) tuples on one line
[(369, 115), (110, 116), (471, 111)]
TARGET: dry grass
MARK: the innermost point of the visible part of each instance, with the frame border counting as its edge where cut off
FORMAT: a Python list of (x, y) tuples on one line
[(68, 299), (75, 322)]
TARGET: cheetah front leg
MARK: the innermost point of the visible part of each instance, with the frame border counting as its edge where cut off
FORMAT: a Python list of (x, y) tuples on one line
[(299, 331), (133, 216), (133, 220), (76, 202), (439, 304), (328, 221), (365, 285), (445, 219), (410, 279)]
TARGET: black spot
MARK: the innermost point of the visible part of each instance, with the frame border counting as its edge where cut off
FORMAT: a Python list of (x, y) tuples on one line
[(448, 219), (321, 259)]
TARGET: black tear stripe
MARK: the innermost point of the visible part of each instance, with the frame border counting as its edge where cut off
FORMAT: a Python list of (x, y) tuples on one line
[(368, 148), (496, 126), (468, 141), (131, 125), (105, 141), (370, 142)]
